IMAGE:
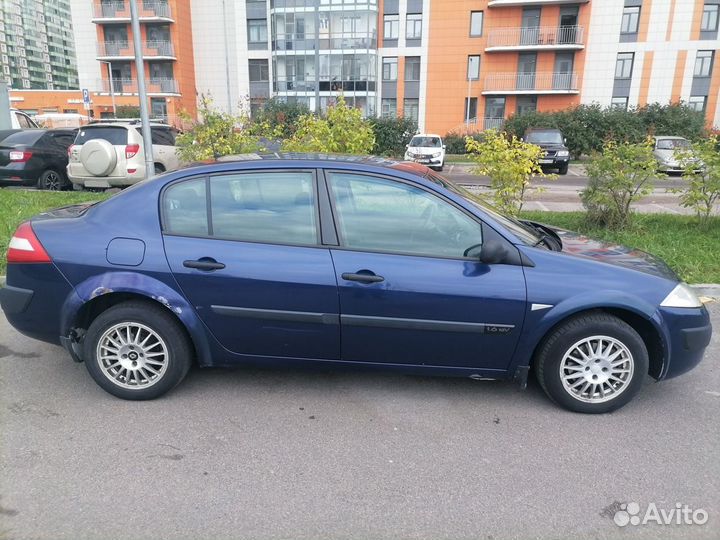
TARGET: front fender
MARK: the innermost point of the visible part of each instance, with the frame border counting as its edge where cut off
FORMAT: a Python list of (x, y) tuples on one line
[(142, 285), (539, 323)]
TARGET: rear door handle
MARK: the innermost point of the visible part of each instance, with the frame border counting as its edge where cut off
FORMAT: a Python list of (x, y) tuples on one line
[(363, 278), (206, 264)]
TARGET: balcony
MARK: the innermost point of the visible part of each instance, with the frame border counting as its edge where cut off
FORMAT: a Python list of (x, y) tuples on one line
[(124, 50), (114, 11), (335, 41), (154, 87), (507, 3), (514, 83), (536, 38), (493, 123)]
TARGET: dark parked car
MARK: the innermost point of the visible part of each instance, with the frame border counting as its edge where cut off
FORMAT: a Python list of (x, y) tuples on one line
[(557, 155), (327, 261), (36, 157)]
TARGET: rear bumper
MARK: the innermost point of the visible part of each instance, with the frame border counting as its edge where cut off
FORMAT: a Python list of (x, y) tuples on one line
[(17, 173), (78, 175), (15, 300)]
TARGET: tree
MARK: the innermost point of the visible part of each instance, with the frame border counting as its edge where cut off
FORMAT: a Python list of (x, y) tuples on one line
[(280, 118), (702, 166), (216, 134), (343, 130), (392, 135), (619, 176), (510, 163)]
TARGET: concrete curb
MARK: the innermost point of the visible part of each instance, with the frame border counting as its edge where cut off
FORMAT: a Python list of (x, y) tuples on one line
[(711, 290)]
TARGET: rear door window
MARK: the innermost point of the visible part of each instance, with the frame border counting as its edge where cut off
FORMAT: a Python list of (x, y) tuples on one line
[(117, 136), (163, 136)]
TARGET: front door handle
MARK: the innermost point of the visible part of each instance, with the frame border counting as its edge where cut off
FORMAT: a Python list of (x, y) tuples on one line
[(363, 276), (206, 264)]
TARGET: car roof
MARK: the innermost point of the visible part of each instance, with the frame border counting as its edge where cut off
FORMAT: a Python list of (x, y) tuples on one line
[(427, 135), (317, 160), (126, 125), (541, 129), (672, 137)]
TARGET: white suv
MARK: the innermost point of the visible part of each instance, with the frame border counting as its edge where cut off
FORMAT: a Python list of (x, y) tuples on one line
[(427, 149), (111, 154)]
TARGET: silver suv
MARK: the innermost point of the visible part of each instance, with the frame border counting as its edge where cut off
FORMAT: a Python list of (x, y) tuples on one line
[(111, 154)]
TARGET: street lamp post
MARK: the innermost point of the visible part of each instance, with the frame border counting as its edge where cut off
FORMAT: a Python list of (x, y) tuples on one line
[(142, 93), (112, 86)]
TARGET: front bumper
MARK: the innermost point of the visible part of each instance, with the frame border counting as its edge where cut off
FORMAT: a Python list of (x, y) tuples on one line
[(429, 162), (688, 332), (554, 161)]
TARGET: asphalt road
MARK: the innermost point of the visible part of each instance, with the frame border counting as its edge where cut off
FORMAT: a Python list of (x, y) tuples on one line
[(562, 194), (289, 454)]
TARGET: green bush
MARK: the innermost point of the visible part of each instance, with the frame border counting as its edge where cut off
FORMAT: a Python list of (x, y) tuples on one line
[(280, 118), (392, 135), (620, 175), (457, 144), (588, 127)]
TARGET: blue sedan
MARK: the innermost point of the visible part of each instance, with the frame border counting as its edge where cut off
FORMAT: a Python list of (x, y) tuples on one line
[(332, 261)]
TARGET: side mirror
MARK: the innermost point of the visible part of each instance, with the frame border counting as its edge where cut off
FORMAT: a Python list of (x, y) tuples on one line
[(522, 139), (444, 147), (564, 140), (491, 252)]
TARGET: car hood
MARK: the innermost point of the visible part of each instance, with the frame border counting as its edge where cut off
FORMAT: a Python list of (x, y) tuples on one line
[(615, 254), (666, 155)]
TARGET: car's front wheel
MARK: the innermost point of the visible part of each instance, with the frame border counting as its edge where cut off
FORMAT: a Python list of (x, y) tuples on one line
[(137, 350), (593, 363)]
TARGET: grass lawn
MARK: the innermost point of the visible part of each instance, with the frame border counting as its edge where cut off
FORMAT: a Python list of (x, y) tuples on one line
[(692, 251)]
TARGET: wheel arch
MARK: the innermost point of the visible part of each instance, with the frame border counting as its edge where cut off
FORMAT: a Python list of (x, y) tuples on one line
[(98, 294), (648, 331)]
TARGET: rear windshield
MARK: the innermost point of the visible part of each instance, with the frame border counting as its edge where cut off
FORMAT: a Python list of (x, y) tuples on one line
[(117, 136), (544, 137), (24, 137)]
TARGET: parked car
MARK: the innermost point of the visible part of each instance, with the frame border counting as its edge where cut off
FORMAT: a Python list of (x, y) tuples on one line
[(552, 141), (36, 157), (20, 120), (365, 263), (427, 149), (111, 154), (669, 153)]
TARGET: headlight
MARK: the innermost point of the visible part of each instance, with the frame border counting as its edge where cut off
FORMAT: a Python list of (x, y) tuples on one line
[(437, 155), (563, 153), (682, 296)]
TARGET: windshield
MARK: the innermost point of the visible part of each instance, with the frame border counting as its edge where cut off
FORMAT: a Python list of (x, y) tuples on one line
[(426, 142), (525, 233), (672, 144), (544, 137)]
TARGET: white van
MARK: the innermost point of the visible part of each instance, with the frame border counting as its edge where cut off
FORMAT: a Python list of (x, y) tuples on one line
[(20, 120)]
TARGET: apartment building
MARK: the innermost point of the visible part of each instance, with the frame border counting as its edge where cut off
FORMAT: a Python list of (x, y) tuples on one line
[(452, 65), (37, 48)]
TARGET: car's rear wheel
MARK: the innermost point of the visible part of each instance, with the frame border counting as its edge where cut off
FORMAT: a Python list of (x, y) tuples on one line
[(52, 181), (594, 363), (136, 350)]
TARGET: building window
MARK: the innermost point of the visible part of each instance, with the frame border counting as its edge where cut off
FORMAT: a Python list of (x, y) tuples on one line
[(630, 20), (391, 26), (697, 103), (411, 109), (710, 18), (473, 68), (257, 30), (495, 107), (470, 108), (259, 71), (389, 108), (412, 68), (413, 26), (476, 23), (390, 67), (624, 65), (703, 63), (619, 103)]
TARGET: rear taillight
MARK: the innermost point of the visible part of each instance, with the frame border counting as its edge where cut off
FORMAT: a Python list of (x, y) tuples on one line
[(70, 149), (25, 247), (19, 156), (131, 150)]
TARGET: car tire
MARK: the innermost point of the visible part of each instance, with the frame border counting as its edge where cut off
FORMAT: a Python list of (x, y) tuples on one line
[(563, 169), (51, 180), (144, 364), (594, 363)]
